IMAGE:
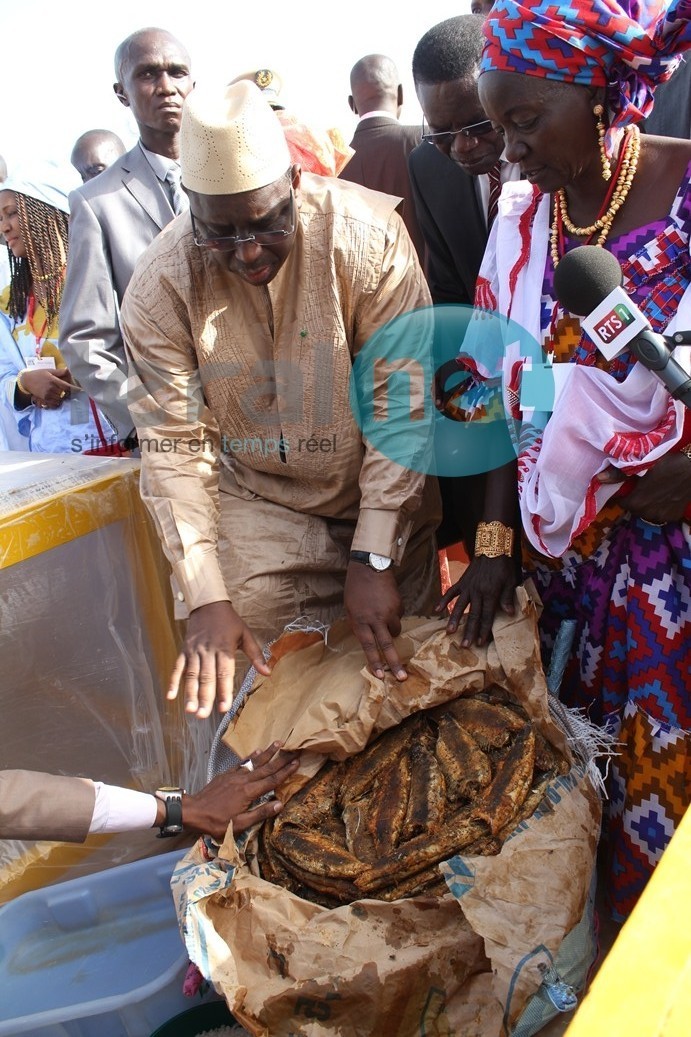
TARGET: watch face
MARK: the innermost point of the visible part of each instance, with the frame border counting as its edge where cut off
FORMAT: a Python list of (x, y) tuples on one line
[(379, 562)]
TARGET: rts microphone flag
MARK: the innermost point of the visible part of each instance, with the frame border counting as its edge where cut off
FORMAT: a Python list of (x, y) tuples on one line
[(588, 283)]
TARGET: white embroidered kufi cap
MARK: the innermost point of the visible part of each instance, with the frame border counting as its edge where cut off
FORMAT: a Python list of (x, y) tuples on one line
[(231, 141)]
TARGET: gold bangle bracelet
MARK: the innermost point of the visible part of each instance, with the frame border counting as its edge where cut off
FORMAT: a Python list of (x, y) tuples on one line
[(686, 450), (493, 539), (20, 385)]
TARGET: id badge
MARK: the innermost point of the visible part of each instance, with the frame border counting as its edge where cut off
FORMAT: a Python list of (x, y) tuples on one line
[(34, 362)]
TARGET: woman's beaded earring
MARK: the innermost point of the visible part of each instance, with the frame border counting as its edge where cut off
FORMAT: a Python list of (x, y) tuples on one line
[(598, 112)]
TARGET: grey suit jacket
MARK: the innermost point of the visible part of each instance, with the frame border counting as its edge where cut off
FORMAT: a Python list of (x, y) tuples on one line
[(113, 219), (380, 162), (34, 805)]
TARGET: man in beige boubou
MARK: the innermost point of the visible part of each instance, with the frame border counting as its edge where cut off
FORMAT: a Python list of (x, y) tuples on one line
[(241, 323)]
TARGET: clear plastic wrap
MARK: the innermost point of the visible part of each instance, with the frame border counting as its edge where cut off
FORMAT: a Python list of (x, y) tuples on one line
[(88, 642)]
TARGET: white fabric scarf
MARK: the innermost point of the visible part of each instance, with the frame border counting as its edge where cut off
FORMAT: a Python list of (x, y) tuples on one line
[(597, 421)]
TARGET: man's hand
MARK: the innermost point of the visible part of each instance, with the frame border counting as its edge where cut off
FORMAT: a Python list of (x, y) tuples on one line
[(487, 584), (661, 495), (48, 387), (206, 664), (228, 797), (373, 606)]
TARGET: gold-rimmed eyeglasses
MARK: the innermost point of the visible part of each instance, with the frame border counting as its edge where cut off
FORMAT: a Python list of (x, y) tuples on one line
[(229, 243)]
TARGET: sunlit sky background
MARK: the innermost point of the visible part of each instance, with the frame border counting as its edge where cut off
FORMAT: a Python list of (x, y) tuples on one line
[(56, 67)]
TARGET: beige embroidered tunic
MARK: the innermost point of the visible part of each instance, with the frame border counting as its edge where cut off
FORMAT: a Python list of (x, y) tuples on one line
[(250, 385)]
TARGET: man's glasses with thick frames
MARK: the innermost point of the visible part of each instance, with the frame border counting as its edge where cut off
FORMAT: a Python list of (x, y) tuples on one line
[(445, 139), (261, 237)]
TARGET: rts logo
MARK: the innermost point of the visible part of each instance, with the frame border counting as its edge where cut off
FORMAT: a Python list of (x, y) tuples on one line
[(613, 323)]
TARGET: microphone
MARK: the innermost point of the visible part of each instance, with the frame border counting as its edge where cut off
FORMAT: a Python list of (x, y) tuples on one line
[(588, 282)]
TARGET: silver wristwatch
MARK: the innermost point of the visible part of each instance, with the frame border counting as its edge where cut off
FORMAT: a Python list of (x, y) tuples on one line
[(172, 800), (380, 563)]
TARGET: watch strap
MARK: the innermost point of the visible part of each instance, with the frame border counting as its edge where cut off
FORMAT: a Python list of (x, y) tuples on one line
[(172, 822), (360, 556)]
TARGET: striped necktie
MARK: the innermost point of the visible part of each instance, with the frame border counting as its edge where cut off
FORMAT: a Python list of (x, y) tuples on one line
[(494, 176), (178, 198)]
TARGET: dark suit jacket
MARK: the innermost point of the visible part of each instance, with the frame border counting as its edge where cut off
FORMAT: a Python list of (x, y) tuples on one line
[(451, 222), (113, 219), (380, 162), (671, 114), (455, 235)]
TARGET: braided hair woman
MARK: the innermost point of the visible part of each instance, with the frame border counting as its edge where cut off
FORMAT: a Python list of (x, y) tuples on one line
[(52, 413)]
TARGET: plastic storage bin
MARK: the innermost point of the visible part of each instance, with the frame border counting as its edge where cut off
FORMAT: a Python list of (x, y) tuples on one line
[(87, 642), (99, 956)]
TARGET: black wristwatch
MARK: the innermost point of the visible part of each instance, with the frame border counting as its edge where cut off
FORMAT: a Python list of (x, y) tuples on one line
[(172, 800), (380, 563)]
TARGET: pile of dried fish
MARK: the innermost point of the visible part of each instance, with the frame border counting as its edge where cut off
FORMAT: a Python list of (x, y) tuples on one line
[(455, 778)]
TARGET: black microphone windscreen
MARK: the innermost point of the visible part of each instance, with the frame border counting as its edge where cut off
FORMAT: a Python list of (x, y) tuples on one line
[(584, 277)]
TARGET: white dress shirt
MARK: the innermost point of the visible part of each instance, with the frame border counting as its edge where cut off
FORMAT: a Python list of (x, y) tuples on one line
[(121, 810), (509, 171)]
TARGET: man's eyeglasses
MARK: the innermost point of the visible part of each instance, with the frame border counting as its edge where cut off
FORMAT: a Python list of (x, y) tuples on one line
[(230, 243), (444, 140)]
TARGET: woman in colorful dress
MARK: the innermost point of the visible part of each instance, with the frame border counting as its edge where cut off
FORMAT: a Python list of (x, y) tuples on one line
[(605, 484), (52, 414)]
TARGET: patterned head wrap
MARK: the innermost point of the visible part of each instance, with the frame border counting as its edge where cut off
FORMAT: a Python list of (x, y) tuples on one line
[(627, 47)]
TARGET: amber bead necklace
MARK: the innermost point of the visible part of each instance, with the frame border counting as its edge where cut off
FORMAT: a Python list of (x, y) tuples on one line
[(615, 198)]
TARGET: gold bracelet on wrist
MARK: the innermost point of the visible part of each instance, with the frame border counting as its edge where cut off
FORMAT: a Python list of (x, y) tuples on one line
[(493, 539), (686, 450), (20, 386)]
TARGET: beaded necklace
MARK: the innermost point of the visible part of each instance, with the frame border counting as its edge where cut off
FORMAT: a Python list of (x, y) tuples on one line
[(617, 194)]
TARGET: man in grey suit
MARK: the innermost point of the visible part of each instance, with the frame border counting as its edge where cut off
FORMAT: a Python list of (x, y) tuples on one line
[(115, 216), (381, 143)]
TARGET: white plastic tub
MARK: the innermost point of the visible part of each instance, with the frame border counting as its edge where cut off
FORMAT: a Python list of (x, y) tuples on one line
[(99, 956)]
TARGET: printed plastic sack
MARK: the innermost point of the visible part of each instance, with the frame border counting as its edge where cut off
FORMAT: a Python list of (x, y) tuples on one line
[(467, 963)]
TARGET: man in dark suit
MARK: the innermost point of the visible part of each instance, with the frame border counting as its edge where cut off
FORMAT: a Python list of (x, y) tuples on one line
[(94, 151), (451, 171), (456, 175), (115, 216), (671, 115), (382, 145)]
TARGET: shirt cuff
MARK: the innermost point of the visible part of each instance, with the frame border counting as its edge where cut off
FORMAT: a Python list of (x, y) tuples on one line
[(121, 810), (197, 581), (382, 532)]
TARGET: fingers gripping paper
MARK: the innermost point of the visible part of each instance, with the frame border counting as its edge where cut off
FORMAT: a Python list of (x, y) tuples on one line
[(466, 962)]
